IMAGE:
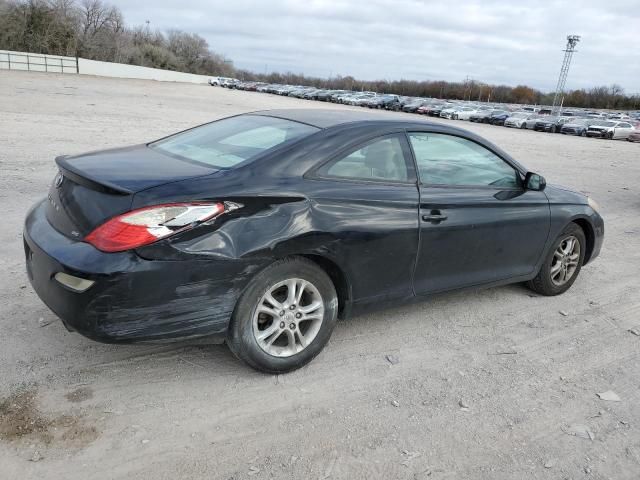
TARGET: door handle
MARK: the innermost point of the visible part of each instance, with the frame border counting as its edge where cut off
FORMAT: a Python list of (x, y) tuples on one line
[(434, 217)]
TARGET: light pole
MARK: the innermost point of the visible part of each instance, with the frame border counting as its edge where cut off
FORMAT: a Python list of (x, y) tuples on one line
[(572, 41)]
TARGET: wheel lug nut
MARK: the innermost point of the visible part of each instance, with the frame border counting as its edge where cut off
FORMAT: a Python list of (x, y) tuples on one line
[(282, 313), (298, 315), (292, 326), (281, 324), (292, 307)]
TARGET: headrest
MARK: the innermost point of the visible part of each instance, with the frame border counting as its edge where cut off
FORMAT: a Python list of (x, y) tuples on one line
[(380, 155)]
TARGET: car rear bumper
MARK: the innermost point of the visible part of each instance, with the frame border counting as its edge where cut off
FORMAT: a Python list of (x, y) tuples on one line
[(132, 299)]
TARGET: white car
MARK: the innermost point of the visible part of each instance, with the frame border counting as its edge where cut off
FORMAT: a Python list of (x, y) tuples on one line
[(517, 119), (222, 81), (464, 113), (228, 82), (359, 99), (448, 112), (610, 129)]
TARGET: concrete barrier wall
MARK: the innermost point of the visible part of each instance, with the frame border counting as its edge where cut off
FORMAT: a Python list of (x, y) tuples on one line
[(57, 64), (121, 70)]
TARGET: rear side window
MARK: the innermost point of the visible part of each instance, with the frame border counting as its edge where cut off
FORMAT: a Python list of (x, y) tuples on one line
[(450, 160), (228, 142), (382, 159)]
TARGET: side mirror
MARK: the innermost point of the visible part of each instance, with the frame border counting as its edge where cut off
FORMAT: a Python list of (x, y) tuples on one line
[(533, 181)]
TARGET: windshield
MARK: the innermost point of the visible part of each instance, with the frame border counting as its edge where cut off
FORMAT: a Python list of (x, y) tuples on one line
[(228, 142)]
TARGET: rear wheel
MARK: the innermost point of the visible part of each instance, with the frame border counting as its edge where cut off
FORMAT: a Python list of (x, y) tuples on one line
[(285, 316), (562, 265)]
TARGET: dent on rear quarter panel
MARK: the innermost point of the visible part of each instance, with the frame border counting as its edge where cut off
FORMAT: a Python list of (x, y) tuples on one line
[(259, 231), (211, 267)]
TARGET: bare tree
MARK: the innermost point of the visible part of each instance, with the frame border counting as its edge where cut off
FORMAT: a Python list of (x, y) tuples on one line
[(100, 23)]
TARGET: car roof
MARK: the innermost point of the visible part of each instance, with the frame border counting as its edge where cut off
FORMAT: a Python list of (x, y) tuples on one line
[(327, 118)]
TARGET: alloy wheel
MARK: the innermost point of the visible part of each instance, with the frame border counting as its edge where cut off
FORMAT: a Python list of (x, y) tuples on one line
[(288, 317), (565, 260)]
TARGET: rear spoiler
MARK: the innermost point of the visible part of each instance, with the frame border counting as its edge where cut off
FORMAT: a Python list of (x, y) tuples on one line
[(81, 178)]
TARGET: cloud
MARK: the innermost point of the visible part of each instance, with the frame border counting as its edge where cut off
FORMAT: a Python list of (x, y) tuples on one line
[(489, 40)]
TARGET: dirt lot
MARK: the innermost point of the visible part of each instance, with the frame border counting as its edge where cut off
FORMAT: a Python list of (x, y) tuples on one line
[(493, 384)]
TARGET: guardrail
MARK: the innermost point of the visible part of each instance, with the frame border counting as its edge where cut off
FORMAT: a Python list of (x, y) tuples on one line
[(38, 62)]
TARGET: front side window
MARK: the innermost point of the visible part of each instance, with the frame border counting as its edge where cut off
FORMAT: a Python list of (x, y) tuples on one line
[(449, 160), (230, 141), (382, 159)]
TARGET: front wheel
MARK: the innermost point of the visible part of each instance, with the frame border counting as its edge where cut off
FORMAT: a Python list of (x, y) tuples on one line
[(562, 265), (285, 316)]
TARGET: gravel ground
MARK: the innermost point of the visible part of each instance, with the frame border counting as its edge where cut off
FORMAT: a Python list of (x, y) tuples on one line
[(492, 384)]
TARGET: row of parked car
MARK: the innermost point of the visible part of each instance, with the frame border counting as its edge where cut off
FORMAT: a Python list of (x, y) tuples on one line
[(585, 123)]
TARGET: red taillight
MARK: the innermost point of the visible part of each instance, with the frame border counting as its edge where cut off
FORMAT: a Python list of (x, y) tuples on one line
[(150, 224)]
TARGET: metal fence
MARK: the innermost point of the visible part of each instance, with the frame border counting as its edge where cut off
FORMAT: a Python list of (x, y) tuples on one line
[(38, 62)]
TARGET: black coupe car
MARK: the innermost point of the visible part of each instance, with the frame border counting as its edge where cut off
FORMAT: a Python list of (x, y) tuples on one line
[(268, 226)]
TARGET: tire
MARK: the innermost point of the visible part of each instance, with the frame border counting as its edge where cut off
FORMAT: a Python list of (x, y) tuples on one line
[(583, 133), (454, 117), (610, 135), (282, 355), (544, 282), (523, 126)]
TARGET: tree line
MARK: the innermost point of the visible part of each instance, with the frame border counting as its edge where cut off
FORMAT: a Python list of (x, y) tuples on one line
[(96, 30)]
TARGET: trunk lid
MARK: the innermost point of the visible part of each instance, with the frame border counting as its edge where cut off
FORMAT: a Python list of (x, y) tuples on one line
[(93, 187)]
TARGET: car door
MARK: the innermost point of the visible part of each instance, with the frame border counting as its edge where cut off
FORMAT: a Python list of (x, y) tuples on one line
[(366, 199), (477, 223), (622, 130)]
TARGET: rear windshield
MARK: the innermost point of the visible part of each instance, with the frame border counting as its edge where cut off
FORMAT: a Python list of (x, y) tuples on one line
[(228, 142)]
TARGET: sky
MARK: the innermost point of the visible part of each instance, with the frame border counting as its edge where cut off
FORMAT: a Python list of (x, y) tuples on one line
[(498, 42)]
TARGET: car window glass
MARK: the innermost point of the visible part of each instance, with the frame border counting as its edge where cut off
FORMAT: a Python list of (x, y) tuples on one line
[(382, 159), (449, 160), (260, 138), (625, 125), (230, 141)]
